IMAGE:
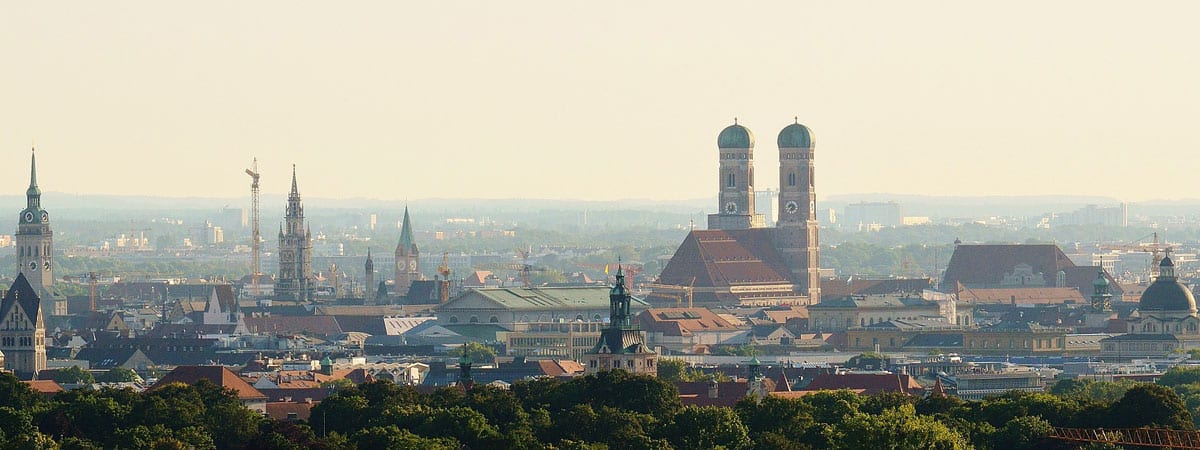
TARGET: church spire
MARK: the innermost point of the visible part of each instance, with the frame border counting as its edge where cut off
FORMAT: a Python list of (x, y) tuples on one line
[(406, 234), (295, 191), (33, 194)]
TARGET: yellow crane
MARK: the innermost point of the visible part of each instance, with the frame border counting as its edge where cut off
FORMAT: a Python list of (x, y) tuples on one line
[(255, 238)]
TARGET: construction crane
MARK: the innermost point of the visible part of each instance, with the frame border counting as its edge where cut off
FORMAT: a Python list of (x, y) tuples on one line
[(444, 270), (255, 245), (1155, 248)]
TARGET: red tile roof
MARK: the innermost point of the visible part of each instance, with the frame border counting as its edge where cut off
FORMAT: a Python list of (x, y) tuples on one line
[(312, 325), (722, 258), (986, 265), (219, 375), (841, 287), (560, 368), (280, 410), (682, 321), (44, 387), (870, 383), (1021, 296)]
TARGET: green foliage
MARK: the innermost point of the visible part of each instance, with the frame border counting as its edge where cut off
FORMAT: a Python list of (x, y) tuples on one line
[(899, 428), (707, 427), (867, 361), (1180, 375), (393, 438), (1150, 405), (73, 375), (831, 407), (1021, 433), (477, 352), (673, 370), (15, 394), (119, 375), (1092, 391)]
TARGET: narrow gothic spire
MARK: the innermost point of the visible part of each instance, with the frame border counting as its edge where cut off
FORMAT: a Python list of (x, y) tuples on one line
[(33, 193), (294, 190), (406, 234)]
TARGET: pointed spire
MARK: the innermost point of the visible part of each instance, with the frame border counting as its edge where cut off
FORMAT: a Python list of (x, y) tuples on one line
[(406, 233), (295, 191), (33, 193)]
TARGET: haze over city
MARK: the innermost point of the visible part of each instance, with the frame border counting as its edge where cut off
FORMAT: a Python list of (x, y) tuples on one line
[(577, 100)]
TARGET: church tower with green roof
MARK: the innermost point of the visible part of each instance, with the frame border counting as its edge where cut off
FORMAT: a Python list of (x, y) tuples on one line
[(621, 345)]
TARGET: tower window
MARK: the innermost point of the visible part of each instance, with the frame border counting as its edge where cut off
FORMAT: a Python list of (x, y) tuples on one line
[(730, 181), (792, 179)]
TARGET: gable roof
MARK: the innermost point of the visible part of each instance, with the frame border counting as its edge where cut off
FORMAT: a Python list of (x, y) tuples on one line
[(218, 375), (22, 293), (540, 298), (314, 325), (870, 383), (682, 321), (986, 265), (1021, 296), (720, 258), (840, 287)]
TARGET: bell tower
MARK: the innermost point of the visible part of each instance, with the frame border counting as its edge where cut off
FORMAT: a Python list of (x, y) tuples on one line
[(407, 258), (35, 240), (796, 227), (735, 198)]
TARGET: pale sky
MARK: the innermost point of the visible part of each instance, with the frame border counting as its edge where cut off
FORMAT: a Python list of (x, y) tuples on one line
[(599, 100)]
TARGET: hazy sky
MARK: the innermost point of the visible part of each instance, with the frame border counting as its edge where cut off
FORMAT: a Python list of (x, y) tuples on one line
[(599, 100)]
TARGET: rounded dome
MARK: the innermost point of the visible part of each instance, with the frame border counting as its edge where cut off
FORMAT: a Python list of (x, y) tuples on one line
[(795, 136), (735, 136), (1166, 293), (1100, 280)]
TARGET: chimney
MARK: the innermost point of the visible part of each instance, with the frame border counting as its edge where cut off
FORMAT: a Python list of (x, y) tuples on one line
[(712, 389)]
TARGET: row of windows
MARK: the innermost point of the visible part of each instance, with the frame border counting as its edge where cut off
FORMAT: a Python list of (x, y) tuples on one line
[(23, 341), (629, 364), (541, 318), (1151, 327)]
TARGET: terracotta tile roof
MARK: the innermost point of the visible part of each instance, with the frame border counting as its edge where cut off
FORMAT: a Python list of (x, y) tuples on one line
[(869, 383), (986, 265), (682, 321), (778, 315), (1021, 296), (289, 410), (44, 387), (219, 375), (799, 394), (313, 325), (559, 368), (720, 258), (841, 287), (696, 393)]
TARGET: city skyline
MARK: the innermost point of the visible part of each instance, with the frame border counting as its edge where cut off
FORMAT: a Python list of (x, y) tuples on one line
[(592, 102)]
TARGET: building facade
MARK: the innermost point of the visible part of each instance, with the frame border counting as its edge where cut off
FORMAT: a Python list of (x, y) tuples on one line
[(35, 240), (369, 269), (22, 329), (1165, 321), (295, 281), (738, 260), (408, 258)]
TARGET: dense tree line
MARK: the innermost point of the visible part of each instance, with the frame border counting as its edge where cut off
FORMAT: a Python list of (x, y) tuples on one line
[(613, 410)]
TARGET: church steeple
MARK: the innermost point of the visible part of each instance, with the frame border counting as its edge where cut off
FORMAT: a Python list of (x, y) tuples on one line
[(33, 195), (406, 236), (618, 301)]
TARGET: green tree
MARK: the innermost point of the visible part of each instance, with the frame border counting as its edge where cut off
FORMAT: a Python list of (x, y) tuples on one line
[(1020, 433), (1150, 405), (831, 407), (707, 427), (477, 352), (670, 369), (899, 428), (16, 394), (1180, 375), (394, 438), (119, 375), (73, 375), (784, 418)]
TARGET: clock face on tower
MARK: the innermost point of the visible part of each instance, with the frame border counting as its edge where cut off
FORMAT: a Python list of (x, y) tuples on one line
[(791, 207), (28, 216), (46, 265), (412, 265), (731, 207), (33, 265), (45, 216)]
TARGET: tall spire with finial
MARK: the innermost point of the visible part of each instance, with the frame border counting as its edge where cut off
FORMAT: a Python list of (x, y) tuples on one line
[(294, 190), (33, 194)]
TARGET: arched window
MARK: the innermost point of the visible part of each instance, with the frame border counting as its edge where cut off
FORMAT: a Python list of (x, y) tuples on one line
[(596, 318), (792, 179), (453, 319), (730, 181), (474, 319), (494, 319), (579, 318)]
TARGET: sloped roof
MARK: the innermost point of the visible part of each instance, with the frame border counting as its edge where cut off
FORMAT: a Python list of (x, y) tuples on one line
[(986, 265), (363, 324), (1021, 296), (106, 358), (219, 375), (682, 321), (782, 315), (22, 293), (44, 387), (873, 301), (1081, 278), (395, 326), (315, 325), (840, 287), (721, 258), (870, 383), (541, 299), (560, 367), (281, 410)]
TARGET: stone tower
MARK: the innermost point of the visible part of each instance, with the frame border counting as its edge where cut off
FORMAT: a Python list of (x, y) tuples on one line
[(295, 281), (736, 181), (796, 227), (22, 330), (369, 268), (407, 258), (35, 240), (621, 344)]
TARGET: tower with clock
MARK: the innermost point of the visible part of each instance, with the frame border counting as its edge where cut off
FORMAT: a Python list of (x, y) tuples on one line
[(35, 240), (796, 229), (735, 187), (408, 258), (295, 281)]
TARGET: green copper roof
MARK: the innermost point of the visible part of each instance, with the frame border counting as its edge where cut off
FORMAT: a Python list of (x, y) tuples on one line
[(33, 187), (795, 136), (1100, 279), (326, 361), (735, 136), (406, 234)]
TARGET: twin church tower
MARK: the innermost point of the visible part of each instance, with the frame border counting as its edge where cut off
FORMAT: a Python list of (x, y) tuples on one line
[(738, 260)]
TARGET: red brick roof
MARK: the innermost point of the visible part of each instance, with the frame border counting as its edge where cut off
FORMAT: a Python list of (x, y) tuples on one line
[(682, 321), (280, 410), (560, 367), (720, 258), (869, 383), (313, 325), (841, 287), (1021, 296), (44, 387), (219, 375), (986, 265)]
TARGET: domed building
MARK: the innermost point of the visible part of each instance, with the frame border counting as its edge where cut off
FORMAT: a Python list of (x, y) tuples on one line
[(1165, 320)]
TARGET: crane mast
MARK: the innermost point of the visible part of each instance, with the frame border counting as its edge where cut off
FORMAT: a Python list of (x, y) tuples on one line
[(255, 238)]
